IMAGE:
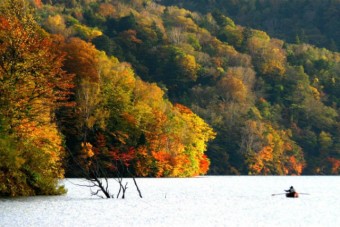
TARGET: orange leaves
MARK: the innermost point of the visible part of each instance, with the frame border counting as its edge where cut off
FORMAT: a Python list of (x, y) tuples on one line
[(131, 35), (4, 23), (176, 140), (335, 165), (163, 163), (87, 151), (129, 118), (144, 162), (204, 164), (266, 154), (38, 3), (264, 157), (270, 151), (31, 69), (106, 10), (293, 166), (81, 59), (183, 109)]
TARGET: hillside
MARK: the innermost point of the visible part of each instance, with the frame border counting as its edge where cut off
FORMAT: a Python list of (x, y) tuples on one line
[(152, 90), (274, 105), (315, 22)]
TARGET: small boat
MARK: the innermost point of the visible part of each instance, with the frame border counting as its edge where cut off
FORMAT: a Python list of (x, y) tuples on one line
[(292, 195)]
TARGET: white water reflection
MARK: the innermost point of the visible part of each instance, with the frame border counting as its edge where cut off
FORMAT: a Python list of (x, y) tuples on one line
[(202, 201)]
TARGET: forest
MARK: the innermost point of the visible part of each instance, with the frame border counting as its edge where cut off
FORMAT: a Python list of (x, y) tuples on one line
[(150, 90), (295, 21)]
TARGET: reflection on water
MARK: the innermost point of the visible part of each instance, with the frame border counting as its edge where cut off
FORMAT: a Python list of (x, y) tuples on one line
[(210, 201)]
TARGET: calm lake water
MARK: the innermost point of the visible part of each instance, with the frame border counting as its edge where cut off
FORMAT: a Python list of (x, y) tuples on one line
[(201, 201)]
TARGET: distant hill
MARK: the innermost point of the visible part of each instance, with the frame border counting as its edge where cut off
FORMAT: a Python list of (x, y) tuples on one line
[(311, 21)]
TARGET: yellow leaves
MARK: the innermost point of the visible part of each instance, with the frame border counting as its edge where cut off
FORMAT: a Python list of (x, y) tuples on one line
[(19, 161), (33, 85), (175, 136), (325, 140), (121, 78), (169, 140), (179, 17), (268, 54), (144, 162), (55, 24), (232, 89), (234, 35), (315, 92), (87, 33), (189, 66), (120, 136), (58, 20), (149, 94)]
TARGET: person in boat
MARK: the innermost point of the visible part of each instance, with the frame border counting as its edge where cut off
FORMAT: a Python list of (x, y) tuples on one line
[(291, 190)]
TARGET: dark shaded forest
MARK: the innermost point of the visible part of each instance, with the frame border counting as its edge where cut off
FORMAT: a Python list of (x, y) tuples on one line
[(149, 90)]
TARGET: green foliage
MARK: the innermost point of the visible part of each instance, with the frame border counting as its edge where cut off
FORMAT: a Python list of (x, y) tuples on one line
[(292, 21), (26, 169)]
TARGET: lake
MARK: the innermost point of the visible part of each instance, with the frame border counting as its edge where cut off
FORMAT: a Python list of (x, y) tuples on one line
[(200, 201)]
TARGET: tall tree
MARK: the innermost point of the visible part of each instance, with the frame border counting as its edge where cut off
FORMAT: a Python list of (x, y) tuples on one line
[(32, 86)]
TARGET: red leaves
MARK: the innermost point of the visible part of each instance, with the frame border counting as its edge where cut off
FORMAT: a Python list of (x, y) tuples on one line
[(124, 157), (99, 155), (113, 157)]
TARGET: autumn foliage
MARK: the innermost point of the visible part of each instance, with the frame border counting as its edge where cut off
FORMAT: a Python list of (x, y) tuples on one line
[(142, 130), (264, 106), (269, 151), (32, 87)]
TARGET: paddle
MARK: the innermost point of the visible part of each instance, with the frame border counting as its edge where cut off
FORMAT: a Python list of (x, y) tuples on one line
[(300, 193), (278, 194)]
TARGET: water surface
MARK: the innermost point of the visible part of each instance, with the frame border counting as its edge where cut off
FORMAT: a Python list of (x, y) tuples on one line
[(201, 201)]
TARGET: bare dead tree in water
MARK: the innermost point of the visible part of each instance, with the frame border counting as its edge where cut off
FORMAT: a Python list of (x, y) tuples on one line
[(98, 166), (119, 179)]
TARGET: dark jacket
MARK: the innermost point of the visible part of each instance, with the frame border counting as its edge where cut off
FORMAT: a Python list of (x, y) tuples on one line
[(290, 190)]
